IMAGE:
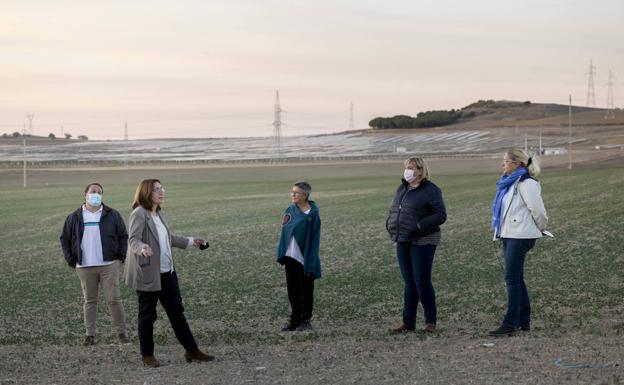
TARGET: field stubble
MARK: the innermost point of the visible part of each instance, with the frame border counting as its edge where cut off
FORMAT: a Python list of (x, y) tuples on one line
[(235, 296)]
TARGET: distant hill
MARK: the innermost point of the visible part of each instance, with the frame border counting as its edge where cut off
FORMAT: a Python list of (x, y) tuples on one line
[(491, 113)]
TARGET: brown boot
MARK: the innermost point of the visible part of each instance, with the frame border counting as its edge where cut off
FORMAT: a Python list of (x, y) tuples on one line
[(150, 361), (402, 329), (88, 341), (430, 328), (123, 338), (197, 355)]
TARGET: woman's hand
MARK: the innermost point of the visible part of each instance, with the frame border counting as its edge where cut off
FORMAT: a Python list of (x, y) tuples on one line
[(201, 244), (146, 251)]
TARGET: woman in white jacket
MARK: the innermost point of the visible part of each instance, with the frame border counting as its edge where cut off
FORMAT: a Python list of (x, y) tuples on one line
[(518, 219)]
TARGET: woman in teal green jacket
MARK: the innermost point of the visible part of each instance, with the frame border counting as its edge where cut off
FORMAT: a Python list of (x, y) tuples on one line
[(298, 251)]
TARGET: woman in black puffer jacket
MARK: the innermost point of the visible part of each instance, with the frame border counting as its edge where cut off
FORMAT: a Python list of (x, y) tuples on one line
[(414, 221)]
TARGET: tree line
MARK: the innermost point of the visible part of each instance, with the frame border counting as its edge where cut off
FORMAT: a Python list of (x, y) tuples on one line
[(422, 120), (51, 135)]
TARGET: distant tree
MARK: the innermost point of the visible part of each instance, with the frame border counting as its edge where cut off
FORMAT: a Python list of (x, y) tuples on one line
[(422, 120), (82, 137), (68, 136), (403, 121), (5, 135), (381, 123), (52, 136), (482, 104), (16, 134)]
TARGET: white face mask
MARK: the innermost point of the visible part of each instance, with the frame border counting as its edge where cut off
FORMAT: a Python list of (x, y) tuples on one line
[(408, 175), (94, 200)]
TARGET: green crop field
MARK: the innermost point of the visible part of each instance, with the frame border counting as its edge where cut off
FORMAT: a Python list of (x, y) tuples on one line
[(235, 291), (235, 294)]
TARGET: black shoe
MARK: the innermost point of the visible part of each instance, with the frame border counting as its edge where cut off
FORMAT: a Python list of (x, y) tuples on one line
[(290, 326), (525, 328), (304, 326), (503, 331)]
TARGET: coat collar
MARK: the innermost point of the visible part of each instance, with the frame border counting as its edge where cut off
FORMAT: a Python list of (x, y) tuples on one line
[(105, 210)]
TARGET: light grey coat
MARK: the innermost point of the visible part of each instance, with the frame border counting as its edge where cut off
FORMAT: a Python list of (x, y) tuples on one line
[(143, 273), (524, 215)]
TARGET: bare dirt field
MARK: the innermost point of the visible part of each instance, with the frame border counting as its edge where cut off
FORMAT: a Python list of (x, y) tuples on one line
[(405, 359)]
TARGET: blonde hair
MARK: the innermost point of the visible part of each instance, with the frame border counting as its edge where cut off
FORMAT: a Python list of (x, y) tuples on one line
[(420, 164), (531, 162)]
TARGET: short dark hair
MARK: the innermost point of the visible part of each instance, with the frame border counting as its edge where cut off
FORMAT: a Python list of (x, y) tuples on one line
[(93, 184), (305, 186)]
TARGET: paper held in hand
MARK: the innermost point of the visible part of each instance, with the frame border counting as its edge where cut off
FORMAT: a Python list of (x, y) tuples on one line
[(548, 234)]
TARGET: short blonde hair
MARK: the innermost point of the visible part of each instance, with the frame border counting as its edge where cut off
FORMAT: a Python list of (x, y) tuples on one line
[(531, 162), (420, 164)]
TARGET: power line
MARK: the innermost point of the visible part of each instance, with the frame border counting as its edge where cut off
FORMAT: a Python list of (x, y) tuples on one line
[(591, 96), (610, 105), (570, 134), (351, 122), (277, 125), (30, 123)]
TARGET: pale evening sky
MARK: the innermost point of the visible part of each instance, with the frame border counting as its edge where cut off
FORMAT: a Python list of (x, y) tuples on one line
[(210, 68)]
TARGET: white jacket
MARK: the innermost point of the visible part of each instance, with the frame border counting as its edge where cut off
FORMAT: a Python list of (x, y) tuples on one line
[(524, 216)]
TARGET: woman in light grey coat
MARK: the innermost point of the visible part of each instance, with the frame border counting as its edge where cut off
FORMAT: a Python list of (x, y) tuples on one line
[(150, 271), (518, 219)]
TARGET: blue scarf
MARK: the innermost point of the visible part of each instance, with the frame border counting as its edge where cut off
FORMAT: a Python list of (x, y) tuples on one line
[(503, 185)]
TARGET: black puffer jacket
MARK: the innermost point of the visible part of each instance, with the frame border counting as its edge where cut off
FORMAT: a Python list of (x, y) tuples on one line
[(415, 213), (112, 232)]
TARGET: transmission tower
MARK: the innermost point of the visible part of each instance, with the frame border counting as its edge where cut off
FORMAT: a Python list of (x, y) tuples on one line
[(591, 96), (610, 105), (30, 123), (277, 125), (351, 121), (126, 131)]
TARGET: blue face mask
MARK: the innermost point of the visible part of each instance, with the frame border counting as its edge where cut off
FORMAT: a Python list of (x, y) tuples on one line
[(94, 199)]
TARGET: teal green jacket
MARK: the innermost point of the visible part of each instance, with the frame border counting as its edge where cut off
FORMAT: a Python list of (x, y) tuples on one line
[(306, 228)]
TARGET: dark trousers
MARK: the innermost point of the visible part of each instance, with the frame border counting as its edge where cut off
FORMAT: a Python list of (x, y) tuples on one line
[(170, 299), (300, 291), (518, 305), (416, 263)]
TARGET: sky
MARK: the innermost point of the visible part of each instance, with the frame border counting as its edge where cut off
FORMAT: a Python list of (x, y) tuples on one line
[(206, 68)]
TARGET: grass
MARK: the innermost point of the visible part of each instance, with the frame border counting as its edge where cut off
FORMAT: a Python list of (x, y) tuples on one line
[(235, 292)]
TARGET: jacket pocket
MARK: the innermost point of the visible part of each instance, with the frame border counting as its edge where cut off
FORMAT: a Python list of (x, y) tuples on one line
[(144, 275), (408, 222), (113, 246), (143, 261), (392, 221)]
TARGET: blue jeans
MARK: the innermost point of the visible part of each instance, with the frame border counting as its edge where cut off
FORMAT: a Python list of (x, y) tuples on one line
[(518, 306), (416, 263)]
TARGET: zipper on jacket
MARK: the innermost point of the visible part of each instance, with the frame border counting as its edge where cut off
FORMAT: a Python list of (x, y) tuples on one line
[(515, 191), (399, 212)]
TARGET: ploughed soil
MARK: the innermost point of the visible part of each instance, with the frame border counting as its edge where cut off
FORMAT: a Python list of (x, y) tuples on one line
[(413, 358)]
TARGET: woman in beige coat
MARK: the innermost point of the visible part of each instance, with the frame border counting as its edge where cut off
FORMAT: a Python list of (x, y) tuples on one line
[(150, 271)]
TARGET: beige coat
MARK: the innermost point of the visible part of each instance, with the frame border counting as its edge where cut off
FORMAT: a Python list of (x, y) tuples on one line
[(143, 273)]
